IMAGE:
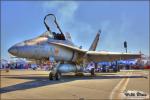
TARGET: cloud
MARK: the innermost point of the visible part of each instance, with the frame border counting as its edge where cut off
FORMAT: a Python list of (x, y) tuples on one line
[(82, 32), (65, 12), (114, 32)]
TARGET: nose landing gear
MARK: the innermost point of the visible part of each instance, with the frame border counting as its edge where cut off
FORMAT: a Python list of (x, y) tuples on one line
[(51, 76), (92, 72), (54, 73), (55, 76)]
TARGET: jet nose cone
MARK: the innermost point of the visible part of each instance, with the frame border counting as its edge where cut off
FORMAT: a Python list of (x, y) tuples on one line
[(12, 50)]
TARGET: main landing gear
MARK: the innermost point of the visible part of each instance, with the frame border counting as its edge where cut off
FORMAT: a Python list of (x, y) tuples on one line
[(92, 71)]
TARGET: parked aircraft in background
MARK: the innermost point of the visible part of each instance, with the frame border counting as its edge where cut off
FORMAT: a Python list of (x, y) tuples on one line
[(51, 46)]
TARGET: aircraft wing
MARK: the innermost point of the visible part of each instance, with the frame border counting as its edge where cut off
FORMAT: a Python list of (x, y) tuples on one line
[(69, 47), (100, 55), (110, 56)]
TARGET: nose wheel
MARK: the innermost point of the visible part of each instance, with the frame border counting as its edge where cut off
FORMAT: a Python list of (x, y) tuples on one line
[(56, 76), (51, 76), (54, 73)]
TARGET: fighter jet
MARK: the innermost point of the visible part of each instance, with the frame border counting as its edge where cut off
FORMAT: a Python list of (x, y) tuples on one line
[(57, 47)]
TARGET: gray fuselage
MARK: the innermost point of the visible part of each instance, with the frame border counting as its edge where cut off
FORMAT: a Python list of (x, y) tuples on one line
[(42, 48)]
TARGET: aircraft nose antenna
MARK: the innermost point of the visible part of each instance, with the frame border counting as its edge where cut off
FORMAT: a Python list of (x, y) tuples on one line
[(13, 50)]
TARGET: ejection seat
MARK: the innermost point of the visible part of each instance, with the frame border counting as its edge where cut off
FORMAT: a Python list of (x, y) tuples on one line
[(58, 36)]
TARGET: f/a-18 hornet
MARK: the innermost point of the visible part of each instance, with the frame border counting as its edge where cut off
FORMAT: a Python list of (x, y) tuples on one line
[(57, 47)]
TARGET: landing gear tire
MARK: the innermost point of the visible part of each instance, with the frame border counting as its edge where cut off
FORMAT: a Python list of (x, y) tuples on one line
[(51, 76), (57, 76), (92, 72)]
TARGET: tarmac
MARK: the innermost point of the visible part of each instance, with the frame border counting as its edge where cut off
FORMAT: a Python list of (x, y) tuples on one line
[(32, 84)]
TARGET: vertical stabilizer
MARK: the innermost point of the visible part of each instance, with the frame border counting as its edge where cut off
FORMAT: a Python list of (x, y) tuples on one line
[(95, 42)]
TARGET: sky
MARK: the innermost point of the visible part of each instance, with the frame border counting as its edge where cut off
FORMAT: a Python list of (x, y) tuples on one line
[(118, 21)]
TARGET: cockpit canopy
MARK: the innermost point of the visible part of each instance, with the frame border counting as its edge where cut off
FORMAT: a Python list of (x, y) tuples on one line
[(49, 33), (53, 35)]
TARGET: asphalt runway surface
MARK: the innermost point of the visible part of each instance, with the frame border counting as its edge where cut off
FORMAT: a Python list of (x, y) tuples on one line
[(30, 84)]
